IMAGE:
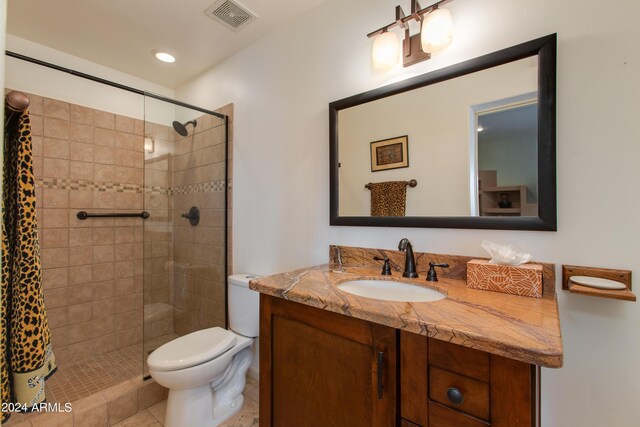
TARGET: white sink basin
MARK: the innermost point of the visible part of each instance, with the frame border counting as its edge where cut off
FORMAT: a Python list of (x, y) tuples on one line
[(389, 290)]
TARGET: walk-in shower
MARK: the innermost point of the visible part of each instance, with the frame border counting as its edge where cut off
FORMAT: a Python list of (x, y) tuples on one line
[(131, 272)]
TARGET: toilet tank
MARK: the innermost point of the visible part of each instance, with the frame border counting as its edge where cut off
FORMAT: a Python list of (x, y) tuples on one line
[(244, 306)]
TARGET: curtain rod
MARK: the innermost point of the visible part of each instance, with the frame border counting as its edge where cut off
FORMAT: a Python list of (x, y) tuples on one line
[(109, 83)]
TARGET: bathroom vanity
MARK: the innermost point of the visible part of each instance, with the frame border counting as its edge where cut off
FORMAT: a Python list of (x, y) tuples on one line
[(328, 357)]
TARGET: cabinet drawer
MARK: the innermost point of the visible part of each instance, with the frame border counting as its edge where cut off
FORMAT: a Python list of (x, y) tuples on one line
[(475, 394), (458, 359), (439, 416)]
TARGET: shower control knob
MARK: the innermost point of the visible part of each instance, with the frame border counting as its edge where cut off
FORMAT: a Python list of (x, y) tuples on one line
[(193, 215)]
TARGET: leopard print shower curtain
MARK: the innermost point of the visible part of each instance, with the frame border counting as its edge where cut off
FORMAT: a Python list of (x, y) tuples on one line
[(27, 359)]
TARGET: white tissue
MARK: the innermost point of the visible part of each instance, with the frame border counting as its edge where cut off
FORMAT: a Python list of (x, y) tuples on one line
[(505, 254)]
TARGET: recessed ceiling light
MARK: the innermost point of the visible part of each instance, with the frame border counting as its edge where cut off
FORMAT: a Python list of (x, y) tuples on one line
[(164, 56)]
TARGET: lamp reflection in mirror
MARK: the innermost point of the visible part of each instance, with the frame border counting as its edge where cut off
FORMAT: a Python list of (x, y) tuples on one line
[(386, 50), (149, 145), (437, 30)]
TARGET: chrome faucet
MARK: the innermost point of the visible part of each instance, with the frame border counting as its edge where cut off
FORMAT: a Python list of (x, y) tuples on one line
[(409, 259)]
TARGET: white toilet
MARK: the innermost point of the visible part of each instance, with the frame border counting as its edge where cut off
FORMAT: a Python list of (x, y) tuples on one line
[(205, 371)]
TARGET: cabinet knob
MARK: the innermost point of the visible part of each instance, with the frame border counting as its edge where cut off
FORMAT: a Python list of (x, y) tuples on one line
[(455, 396)]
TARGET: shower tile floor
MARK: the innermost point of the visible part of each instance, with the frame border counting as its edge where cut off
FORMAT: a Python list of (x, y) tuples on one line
[(76, 381)]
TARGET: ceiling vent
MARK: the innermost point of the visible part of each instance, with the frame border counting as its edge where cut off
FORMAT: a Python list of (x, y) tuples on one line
[(230, 14)]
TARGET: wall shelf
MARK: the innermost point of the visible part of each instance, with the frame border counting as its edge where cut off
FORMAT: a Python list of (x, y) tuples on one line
[(622, 276)]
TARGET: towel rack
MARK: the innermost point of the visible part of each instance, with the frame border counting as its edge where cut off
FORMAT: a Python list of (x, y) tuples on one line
[(411, 184), (84, 215)]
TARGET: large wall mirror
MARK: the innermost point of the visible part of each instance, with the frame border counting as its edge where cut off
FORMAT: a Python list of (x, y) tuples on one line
[(468, 146)]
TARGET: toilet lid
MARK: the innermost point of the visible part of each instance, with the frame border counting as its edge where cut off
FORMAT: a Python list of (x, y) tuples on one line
[(191, 350)]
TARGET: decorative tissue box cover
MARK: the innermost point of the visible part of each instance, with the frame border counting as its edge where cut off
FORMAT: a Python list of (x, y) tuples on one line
[(525, 280)]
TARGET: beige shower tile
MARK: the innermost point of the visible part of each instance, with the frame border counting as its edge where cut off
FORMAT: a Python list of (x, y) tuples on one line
[(102, 290), (150, 394), (37, 125), (125, 124), (80, 256), (104, 137), (80, 237), (104, 155), (55, 168), (80, 151), (81, 170), (38, 167), (36, 104), (124, 158), (103, 200), (104, 236), (37, 145), (138, 127), (124, 407), (53, 419), (58, 317), (55, 218), (124, 269), (103, 253), (56, 298), (128, 141), (123, 321), (125, 303), (102, 326), (56, 128), (104, 120), (125, 338), (81, 133), (56, 148), (104, 344), (55, 238), (80, 294), (96, 416), (55, 277), (59, 336), (80, 114), (103, 308), (56, 109), (124, 252), (80, 352), (124, 235), (103, 272), (80, 275), (81, 199), (79, 313), (106, 173), (55, 258), (53, 198), (124, 286)]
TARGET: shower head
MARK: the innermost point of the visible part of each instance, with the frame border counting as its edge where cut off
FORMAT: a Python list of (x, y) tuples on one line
[(181, 128)]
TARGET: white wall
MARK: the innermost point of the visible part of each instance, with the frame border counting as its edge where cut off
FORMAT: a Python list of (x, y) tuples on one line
[(281, 87), (436, 121), (39, 80)]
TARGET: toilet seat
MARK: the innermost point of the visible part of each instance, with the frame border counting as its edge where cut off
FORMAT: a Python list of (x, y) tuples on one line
[(191, 350)]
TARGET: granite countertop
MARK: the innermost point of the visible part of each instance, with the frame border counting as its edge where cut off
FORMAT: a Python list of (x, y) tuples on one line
[(517, 327)]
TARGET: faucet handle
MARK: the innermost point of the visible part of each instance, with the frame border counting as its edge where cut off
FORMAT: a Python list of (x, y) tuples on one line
[(431, 275), (386, 268)]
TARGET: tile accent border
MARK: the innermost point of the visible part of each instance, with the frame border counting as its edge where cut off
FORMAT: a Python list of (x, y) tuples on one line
[(116, 187)]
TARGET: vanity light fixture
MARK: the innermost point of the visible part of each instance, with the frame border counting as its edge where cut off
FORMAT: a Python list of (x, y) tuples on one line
[(435, 34)]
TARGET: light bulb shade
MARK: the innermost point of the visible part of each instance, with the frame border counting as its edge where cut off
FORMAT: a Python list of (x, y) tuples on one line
[(437, 30), (386, 50)]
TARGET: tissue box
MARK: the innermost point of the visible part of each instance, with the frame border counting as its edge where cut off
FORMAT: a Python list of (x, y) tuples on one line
[(525, 279)]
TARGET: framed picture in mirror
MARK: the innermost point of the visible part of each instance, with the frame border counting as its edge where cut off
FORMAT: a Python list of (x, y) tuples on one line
[(392, 153)]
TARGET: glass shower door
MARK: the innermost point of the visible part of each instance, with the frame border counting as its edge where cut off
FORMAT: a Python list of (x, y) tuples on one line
[(185, 235)]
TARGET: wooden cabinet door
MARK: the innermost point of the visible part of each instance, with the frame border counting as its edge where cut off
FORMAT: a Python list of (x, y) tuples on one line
[(319, 368)]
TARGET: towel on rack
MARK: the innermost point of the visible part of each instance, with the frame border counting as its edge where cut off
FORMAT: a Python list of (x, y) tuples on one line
[(388, 198), (25, 349)]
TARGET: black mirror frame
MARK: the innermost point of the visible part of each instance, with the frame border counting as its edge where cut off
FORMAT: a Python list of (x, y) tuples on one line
[(545, 49)]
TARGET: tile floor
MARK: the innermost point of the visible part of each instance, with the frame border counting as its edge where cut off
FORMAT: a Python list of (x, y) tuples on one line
[(247, 417)]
